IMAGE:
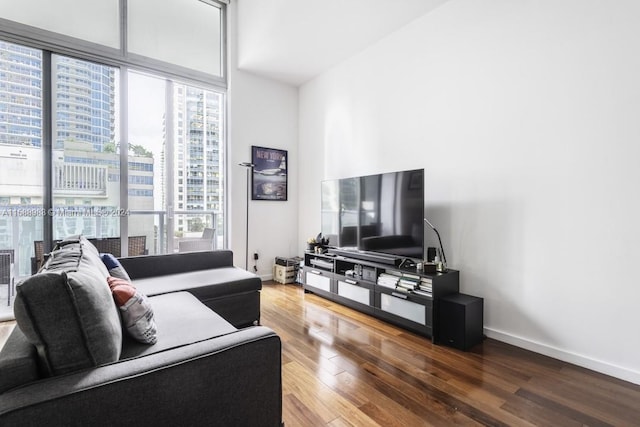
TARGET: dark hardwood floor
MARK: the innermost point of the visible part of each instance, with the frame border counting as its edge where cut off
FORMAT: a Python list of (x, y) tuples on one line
[(344, 368)]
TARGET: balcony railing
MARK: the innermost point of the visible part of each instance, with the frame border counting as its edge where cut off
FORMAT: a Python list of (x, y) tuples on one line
[(168, 242), (79, 179)]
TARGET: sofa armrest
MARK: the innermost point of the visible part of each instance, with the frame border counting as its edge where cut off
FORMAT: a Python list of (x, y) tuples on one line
[(233, 379)]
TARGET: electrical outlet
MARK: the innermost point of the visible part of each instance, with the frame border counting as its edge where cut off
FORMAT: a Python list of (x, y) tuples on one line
[(255, 256)]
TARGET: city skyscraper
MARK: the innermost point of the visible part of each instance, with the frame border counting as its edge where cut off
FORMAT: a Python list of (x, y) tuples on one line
[(84, 95), (84, 107), (198, 151), (20, 95)]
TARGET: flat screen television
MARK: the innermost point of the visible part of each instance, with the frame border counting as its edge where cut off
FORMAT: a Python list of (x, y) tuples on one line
[(379, 214)]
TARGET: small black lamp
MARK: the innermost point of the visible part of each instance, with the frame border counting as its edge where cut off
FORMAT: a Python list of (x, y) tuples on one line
[(444, 258)]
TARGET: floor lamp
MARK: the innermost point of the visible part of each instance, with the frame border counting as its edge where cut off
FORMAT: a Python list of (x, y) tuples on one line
[(249, 167)]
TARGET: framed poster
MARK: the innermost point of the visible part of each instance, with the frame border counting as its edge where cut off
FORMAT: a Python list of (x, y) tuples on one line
[(269, 180)]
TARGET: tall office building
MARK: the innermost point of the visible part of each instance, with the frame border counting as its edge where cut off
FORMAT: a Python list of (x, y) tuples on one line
[(84, 107), (83, 93), (198, 151), (20, 95)]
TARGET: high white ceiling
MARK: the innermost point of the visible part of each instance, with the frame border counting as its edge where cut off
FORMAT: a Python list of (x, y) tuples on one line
[(294, 40)]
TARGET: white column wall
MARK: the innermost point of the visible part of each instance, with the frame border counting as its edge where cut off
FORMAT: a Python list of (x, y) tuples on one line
[(264, 113)]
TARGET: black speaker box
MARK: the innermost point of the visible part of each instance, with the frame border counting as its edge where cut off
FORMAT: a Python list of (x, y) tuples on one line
[(431, 254), (460, 321)]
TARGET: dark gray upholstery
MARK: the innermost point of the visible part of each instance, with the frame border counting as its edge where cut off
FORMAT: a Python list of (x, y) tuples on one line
[(160, 265), (181, 320), (18, 362), (231, 380), (231, 292), (205, 284), (67, 312), (202, 371)]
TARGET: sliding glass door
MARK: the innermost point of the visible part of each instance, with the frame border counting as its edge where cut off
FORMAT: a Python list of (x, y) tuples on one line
[(175, 195)]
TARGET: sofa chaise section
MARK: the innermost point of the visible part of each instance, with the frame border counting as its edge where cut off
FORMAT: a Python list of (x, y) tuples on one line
[(231, 292)]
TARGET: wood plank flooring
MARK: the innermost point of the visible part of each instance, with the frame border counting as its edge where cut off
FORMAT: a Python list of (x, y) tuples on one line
[(344, 368)]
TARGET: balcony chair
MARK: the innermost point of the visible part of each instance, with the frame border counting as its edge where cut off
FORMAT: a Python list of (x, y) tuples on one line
[(6, 273), (204, 243)]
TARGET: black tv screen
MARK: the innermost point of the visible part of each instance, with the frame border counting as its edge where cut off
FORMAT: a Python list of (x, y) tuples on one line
[(380, 213)]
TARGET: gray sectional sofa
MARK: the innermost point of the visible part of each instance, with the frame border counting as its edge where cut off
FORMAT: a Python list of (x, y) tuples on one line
[(70, 362)]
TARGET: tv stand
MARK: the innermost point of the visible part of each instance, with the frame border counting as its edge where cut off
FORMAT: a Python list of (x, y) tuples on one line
[(368, 256), (396, 293)]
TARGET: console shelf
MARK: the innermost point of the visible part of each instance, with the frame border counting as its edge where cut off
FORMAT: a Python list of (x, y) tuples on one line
[(368, 286)]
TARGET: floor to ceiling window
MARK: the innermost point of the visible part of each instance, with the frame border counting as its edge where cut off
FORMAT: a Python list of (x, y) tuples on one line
[(147, 183), (175, 162), (21, 179), (84, 163), (121, 140)]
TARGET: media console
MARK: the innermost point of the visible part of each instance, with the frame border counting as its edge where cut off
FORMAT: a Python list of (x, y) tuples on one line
[(401, 296)]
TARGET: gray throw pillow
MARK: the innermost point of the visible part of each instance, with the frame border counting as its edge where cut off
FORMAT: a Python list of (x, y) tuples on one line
[(136, 311), (67, 312)]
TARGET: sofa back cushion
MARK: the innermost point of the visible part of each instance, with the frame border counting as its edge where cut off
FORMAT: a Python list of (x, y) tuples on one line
[(140, 267), (67, 312)]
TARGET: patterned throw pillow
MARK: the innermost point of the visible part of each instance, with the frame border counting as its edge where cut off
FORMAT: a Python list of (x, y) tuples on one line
[(115, 268), (137, 314)]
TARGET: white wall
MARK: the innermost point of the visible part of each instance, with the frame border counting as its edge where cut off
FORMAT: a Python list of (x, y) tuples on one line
[(524, 115), (264, 113)]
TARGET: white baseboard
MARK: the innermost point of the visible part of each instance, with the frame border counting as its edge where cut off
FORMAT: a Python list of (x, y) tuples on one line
[(576, 359)]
